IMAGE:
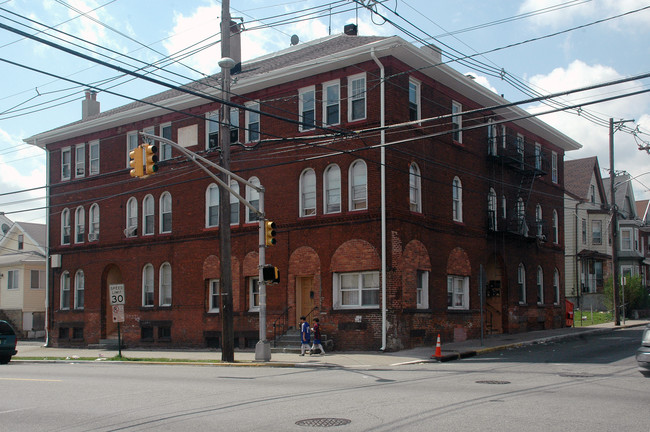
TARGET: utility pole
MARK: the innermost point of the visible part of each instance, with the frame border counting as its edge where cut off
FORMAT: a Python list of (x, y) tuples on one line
[(225, 283)]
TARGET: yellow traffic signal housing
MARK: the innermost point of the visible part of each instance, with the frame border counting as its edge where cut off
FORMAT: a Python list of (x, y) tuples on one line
[(269, 233), (137, 169), (151, 158), (271, 274)]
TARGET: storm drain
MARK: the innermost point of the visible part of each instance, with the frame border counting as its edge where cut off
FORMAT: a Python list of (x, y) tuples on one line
[(492, 382), (323, 422)]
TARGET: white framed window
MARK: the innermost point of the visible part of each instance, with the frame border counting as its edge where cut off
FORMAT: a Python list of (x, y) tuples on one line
[(37, 279), (93, 157), (414, 99), (79, 289), (540, 285), (65, 227), (131, 217), (538, 220), (148, 215), (212, 130), (332, 103), (538, 156), (79, 224), (131, 144), (253, 197), (597, 232), (556, 228), (253, 294), (212, 206), (584, 231), (556, 287), (215, 296), (252, 122), (358, 186), (80, 160), (65, 291), (422, 289), (415, 189), (307, 193), (147, 285), (93, 222), (504, 137), (554, 178), (504, 207), (357, 97), (521, 283), (458, 292), (66, 163), (356, 290), (522, 227), (234, 125), (21, 241), (332, 189), (307, 108), (13, 279), (457, 200), (457, 121), (626, 238), (234, 203), (521, 150), (492, 210), (164, 149), (492, 138), (165, 212), (165, 285)]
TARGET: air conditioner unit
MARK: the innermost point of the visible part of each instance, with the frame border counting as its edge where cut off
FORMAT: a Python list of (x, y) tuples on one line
[(93, 236), (131, 231), (55, 260)]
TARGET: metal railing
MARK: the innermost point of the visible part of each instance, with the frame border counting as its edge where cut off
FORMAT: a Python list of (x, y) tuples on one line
[(280, 321)]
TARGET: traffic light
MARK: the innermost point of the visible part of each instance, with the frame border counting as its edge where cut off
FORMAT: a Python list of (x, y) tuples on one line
[(269, 233), (271, 274), (135, 156), (151, 158)]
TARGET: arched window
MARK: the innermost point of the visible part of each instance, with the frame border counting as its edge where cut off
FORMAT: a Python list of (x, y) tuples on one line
[(540, 285), (234, 204), (556, 235), (415, 190), (538, 220), (253, 197), (79, 224), (521, 283), (358, 186), (332, 189), (165, 285), (65, 291), (308, 193), (556, 287), (131, 217), (522, 227), (93, 223), (457, 200), (65, 227), (492, 210), (148, 215), (147, 285), (79, 287), (166, 212), (212, 206)]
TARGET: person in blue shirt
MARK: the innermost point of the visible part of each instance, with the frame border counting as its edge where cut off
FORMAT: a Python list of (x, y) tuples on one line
[(305, 335)]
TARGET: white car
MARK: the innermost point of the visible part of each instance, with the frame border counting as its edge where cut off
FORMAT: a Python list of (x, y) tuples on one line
[(643, 353)]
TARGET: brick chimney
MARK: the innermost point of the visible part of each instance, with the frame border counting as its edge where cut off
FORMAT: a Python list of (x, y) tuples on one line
[(90, 105)]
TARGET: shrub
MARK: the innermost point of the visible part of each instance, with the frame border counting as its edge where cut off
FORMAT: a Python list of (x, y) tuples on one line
[(636, 296)]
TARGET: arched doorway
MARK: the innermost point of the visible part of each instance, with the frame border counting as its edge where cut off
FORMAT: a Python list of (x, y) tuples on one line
[(112, 275), (496, 294)]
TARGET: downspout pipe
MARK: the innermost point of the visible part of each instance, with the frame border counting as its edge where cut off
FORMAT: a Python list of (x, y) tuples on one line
[(48, 267), (382, 89)]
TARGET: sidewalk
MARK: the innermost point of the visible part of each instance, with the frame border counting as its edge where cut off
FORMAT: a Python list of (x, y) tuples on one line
[(450, 351)]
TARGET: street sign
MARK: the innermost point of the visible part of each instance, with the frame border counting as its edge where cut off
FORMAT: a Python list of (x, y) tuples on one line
[(118, 313), (117, 294)]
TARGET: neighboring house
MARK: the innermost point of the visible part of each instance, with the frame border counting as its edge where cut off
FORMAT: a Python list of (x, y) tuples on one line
[(5, 225), (643, 210), (462, 193), (22, 278), (588, 250)]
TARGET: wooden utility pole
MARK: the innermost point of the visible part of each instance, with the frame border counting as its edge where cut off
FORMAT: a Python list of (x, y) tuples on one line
[(614, 225)]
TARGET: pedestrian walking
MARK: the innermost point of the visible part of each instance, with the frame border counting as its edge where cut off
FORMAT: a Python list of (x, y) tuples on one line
[(317, 343), (305, 335)]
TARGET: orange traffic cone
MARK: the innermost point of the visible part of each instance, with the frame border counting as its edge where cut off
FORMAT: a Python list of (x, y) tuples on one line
[(438, 354)]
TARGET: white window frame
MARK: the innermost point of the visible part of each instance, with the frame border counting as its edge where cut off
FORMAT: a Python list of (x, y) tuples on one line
[(415, 98), (233, 125), (327, 102), (80, 160), (148, 285), (415, 188), (492, 209), (457, 121), (492, 138), (131, 217), (148, 214), (594, 240), (504, 207), (211, 122), (165, 281), (630, 233), (358, 191), (538, 221), (332, 189), (554, 174), (234, 203), (356, 96), (504, 137), (66, 167), (93, 222), (64, 289), (521, 149), (556, 227), (307, 198), (13, 280), (212, 197), (165, 207), (538, 156), (458, 286), (131, 144), (306, 100), (93, 157), (556, 287), (362, 277), (214, 292), (252, 118), (457, 200), (422, 289), (79, 225), (21, 241), (253, 197), (65, 227), (79, 290), (521, 283), (165, 150), (253, 294), (540, 285)]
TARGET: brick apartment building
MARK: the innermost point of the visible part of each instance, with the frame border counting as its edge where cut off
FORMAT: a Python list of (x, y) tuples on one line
[(478, 187)]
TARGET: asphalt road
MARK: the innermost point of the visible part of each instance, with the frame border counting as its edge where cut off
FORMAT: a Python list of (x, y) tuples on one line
[(584, 384)]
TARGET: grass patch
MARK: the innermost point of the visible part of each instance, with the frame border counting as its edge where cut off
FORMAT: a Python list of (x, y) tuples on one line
[(587, 318)]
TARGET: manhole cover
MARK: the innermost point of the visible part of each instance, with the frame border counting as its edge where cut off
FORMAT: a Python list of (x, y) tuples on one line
[(492, 382), (323, 422)]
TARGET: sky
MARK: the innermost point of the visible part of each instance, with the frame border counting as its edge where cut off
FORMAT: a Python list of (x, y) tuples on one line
[(515, 47)]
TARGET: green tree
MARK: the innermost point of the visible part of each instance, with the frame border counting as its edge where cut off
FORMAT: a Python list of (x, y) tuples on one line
[(636, 296)]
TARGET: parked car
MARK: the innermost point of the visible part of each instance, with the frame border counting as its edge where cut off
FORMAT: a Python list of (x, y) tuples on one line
[(7, 342), (643, 353)]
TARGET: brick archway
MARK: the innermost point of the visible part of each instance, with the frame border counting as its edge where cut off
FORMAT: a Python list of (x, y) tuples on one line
[(458, 263), (355, 255)]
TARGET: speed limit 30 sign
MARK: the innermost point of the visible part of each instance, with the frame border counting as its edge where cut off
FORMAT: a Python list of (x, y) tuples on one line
[(117, 294)]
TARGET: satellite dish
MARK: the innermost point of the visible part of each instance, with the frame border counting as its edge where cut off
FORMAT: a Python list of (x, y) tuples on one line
[(294, 40)]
